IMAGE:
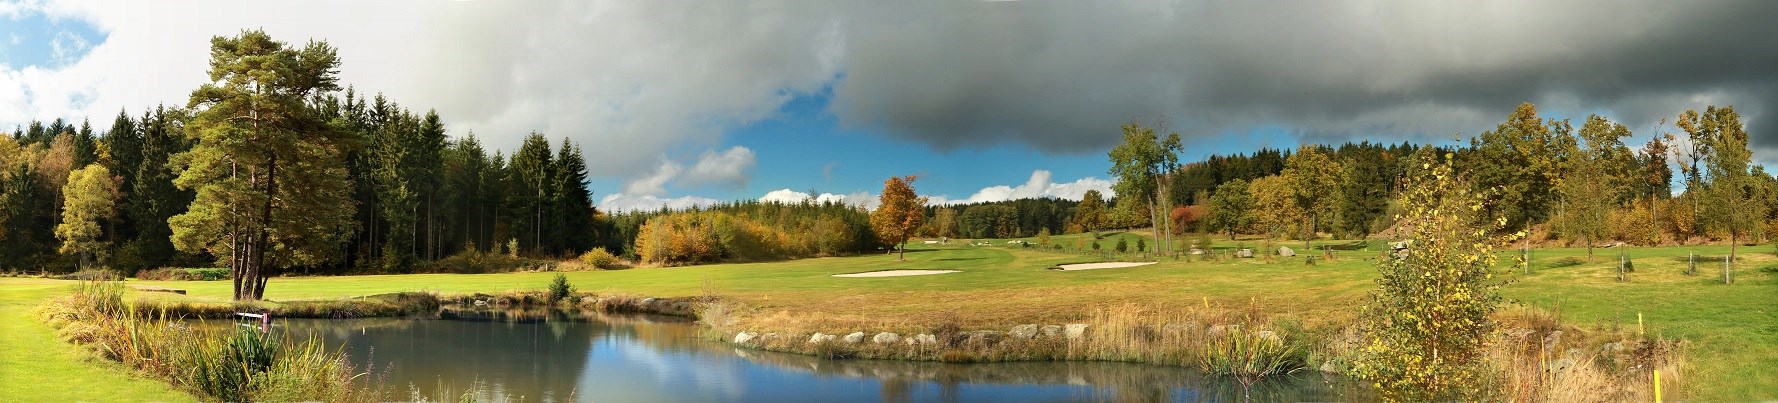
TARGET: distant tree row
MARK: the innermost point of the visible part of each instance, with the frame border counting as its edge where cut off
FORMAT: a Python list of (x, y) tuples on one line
[(1584, 186), (742, 231)]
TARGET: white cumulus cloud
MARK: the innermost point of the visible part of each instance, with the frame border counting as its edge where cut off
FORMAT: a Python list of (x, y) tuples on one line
[(1040, 185), (792, 196), (622, 203), (729, 168)]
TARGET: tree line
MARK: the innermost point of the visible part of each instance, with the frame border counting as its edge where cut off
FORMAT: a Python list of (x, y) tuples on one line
[(271, 168), (1546, 177)]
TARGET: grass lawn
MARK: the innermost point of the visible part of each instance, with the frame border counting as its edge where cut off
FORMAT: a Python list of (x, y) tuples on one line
[(37, 366), (1733, 329)]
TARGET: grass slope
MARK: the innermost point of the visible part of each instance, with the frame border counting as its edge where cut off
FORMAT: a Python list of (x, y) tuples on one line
[(37, 366)]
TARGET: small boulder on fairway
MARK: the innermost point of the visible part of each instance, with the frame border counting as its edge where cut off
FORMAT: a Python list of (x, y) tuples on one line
[(1285, 251)]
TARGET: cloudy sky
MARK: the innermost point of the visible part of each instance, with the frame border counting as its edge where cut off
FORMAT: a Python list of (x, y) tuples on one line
[(681, 103)]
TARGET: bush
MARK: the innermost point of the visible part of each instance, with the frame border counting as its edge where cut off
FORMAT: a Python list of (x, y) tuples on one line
[(599, 258), (1123, 245), (185, 274), (477, 262), (559, 288)]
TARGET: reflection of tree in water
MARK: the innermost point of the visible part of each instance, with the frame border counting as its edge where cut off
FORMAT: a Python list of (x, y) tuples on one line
[(523, 352), (1107, 381)]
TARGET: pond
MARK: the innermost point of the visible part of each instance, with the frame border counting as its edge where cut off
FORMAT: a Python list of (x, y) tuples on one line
[(561, 356)]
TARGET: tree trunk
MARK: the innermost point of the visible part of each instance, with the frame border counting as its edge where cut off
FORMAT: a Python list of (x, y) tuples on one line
[(263, 234), (1309, 229), (901, 252), (1589, 240)]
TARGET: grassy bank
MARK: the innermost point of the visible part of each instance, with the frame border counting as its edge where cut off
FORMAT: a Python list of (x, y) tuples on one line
[(1727, 327), (36, 357), (226, 363)]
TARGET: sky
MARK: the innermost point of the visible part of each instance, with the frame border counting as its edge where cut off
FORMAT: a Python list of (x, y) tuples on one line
[(682, 103)]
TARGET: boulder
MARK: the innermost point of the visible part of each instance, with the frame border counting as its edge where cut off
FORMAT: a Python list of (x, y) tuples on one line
[(1552, 340), (1285, 251), (821, 337), (885, 338), (1270, 336), (1561, 364), (1329, 367), (1074, 331), (1023, 332), (854, 338), (745, 337), (922, 338), (1244, 253), (1196, 251), (1051, 330)]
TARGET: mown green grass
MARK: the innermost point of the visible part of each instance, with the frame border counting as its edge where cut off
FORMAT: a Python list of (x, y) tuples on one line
[(37, 366), (1733, 329)]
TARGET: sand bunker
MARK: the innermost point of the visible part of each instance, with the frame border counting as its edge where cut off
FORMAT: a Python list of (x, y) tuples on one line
[(895, 273), (1106, 265)]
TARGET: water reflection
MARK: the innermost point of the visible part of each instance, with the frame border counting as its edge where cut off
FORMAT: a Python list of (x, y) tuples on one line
[(550, 356)]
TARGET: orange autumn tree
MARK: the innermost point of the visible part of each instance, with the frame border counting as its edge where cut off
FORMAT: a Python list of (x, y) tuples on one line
[(900, 213)]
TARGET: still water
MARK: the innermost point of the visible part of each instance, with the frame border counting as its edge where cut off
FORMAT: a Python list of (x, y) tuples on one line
[(561, 356)]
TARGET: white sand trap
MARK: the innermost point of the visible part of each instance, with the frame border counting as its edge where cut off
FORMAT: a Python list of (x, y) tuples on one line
[(1106, 265), (895, 273)]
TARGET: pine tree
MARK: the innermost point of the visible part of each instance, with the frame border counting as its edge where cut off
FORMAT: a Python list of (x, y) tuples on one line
[(269, 174)]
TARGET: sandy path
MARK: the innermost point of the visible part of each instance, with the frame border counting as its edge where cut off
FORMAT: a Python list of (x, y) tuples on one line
[(1106, 265), (895, 273)]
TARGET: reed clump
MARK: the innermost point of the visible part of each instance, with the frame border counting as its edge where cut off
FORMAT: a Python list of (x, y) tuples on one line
[(236, 364)]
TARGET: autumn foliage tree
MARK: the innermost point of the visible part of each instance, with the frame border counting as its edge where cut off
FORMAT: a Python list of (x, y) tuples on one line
[(900, 213), (90, 197), (1428, 321)]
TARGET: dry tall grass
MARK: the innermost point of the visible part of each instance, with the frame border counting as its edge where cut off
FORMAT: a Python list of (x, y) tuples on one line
[(1539, 359)]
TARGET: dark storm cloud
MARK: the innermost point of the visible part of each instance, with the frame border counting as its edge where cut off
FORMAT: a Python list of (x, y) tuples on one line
[(1061, 76)]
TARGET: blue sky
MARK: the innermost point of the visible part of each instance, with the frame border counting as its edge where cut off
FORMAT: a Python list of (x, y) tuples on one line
[(37, 39), (687, 103)]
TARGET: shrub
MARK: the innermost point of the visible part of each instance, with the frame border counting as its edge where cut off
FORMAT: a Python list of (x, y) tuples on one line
[(559, 288), (599, 258), (1122, 245), (1428, 322), (1141, 245), (185, 274)]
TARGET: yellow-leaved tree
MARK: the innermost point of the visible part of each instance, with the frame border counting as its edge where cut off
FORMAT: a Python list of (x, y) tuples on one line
[(1428, 321), (89, 196)]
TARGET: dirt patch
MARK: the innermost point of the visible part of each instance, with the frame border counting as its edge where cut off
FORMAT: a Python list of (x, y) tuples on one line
[(1105, 265), (895, 273)]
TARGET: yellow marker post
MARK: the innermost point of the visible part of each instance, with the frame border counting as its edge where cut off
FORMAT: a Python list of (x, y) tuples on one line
[(1639, 328), (1206, 303), (1657, 386)]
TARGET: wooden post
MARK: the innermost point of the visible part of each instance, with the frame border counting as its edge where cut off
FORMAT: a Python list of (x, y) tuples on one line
[(1725, 271)]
